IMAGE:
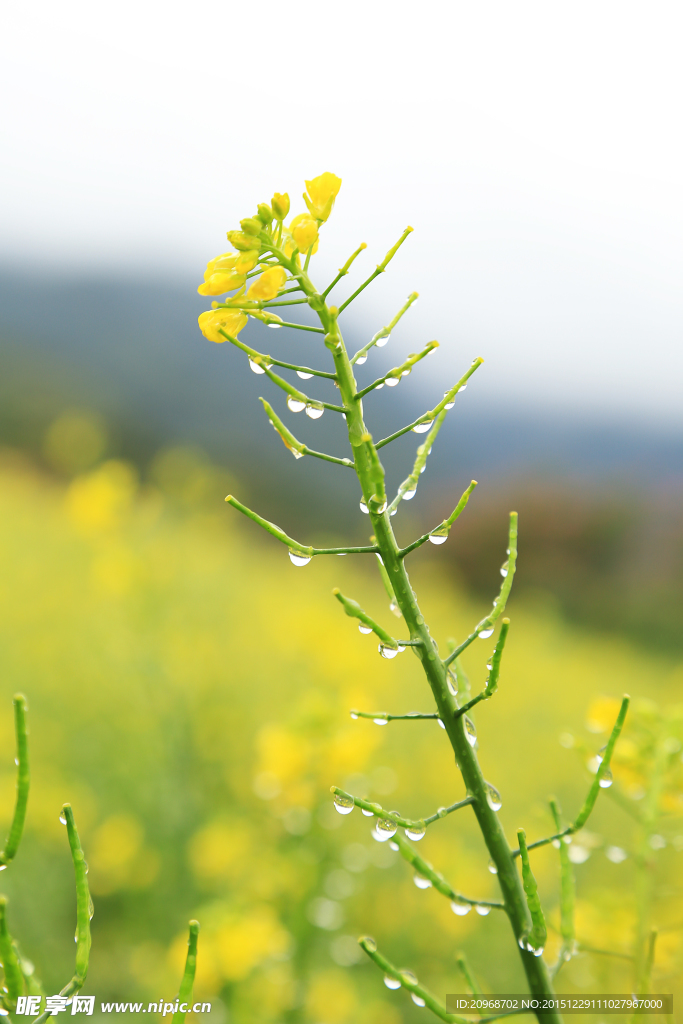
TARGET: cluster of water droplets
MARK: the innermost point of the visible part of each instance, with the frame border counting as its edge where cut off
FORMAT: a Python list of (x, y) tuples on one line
[(525, 944)]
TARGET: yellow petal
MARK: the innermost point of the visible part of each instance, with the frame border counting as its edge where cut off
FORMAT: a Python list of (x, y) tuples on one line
[(304, 231), (219, 283), (231, 320), (267, 285), (323, 188)]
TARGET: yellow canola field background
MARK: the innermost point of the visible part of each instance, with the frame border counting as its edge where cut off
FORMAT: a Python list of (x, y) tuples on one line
[(189, 693)]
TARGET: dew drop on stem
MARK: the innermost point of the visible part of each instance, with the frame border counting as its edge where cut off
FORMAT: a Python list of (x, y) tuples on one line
[(416, 834), (361, 360), (343, 804), (438, 538), (255, 368), (606, 779), (379, 386), (482, 910), (381, 721), (485, 633), (441, 723), (448, 405), (366, 812), (296, 558), (492, 868), (391, 382), (304, 376), (381, 342), (387, 652), (461, 909), (386, 827), (392, 983), (421, 882), (364, 629), (62, 818), (408, 976), (422, 428), (418, 1000), (314, 411), (364, 507), (504, 569), (470, 731), (409, 495), (294, 405), (492, 797)]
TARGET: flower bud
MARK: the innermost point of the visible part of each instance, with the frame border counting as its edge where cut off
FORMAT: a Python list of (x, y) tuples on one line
[(265, 214), (267, 285), (280, 204), (241, 241), (216, 284), (322, 192), (251, 225), (246, 261), (304, 231)]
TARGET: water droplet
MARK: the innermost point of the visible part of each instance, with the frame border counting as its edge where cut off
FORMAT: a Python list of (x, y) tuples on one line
[(484, 634), (386, 826), (482, 910), (394, 608), (369, 943), (361, 360), (391, 382), (418, 1000), (354, 714), (364, 507), (578, 854), (422, 428), (440, 721), (416, 834), (294, 405), (489, 666), (16, 761), (438, 538), (504, 569), (448, 405), (423, 469), (379, 386), (394, 846), (366, 812), (343, 804), (492, 868), (421, 882), (381, 721), (364, 629), (470, 732), (304, 376), (381, 509), (274, 326), (452, 684), (607, 779), (381, 342), (62, 818), (616, 854), (460, 908), (556, 844), (255, 367), (538, 952), (463, 388), (409, 495), (91, 908), (296, 454), (296, 558), (393, 512), (408, 976), (657, 842), (392, 983), (492, 797), (314, 411), (387, 652), (3, 867)]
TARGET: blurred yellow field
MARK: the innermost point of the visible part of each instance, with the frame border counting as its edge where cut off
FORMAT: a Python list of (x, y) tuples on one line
[(189, 693)]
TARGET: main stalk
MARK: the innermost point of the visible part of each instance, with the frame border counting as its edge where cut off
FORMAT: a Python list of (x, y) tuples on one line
[(366, 462)]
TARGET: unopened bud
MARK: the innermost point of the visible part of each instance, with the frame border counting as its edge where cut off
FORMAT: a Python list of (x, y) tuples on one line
[(280, 205), (265, 214), (251, 225), (241, 241)]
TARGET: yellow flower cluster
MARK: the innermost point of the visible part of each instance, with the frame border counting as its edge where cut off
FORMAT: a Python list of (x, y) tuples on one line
[(265, 233)]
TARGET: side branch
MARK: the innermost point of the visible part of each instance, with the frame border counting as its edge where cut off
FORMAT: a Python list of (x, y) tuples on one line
[(492, 681), (187, 984), (399, 371), (487, 624), (297, 448), (417, 825), (263, 361), (343, 271), (378, 270), (292, 544), (354, 610), (430, 416), (362, 353), (439, 534), (384, 717), (424, 868), (408, 981), (23, 782), (596, 786)]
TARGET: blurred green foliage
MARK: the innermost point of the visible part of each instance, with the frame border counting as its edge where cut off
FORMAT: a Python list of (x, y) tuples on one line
[(199, 770)]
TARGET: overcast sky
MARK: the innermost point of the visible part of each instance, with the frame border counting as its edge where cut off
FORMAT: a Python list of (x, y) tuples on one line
[(535, 147)]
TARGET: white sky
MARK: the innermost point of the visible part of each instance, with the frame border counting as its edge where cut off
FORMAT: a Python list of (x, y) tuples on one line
[(535, 147)]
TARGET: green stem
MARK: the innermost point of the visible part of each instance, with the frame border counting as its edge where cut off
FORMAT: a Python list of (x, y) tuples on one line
[(369, 946), (412, 715), (425, 869), (399, 371), (83, 905), (445, 526), (385, 331), (280, 535), (343, 271), (379, 270), (410, 823), (14, 979), (23, 781), (186, 985)]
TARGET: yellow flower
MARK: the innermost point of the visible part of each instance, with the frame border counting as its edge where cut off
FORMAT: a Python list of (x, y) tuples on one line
[(304, 231), (267, 285), (217, 284), (322, 192), (231, 320), (246, 261), (280, 205)]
